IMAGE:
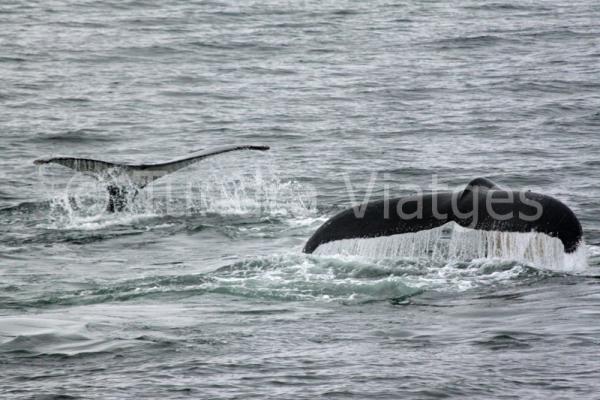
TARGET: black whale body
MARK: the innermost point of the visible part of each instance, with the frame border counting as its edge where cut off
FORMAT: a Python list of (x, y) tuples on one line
[(481, 205)]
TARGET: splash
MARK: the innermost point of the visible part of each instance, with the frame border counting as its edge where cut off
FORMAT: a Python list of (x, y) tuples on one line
[(80, 202), (258, 192), (453, 243)]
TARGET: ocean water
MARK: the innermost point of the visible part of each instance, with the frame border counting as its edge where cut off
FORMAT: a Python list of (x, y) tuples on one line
[(200, 289)]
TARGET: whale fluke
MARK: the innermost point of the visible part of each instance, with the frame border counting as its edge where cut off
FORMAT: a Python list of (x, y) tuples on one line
[(481, 205), (142, 174), (139, 175)]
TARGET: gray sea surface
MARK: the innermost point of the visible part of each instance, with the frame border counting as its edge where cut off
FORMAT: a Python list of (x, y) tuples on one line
[(200, 288)]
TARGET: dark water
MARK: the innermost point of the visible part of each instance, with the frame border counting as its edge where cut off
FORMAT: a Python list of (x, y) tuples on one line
[(212, 297)]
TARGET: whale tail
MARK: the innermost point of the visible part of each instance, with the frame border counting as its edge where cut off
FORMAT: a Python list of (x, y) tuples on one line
[(481, 206), (139, 175)]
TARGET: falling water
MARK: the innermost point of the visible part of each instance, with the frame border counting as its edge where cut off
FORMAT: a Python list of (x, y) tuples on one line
[(452, 242)]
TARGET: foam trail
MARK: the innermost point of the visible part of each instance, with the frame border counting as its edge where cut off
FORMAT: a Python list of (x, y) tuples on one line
[(452, 242)]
